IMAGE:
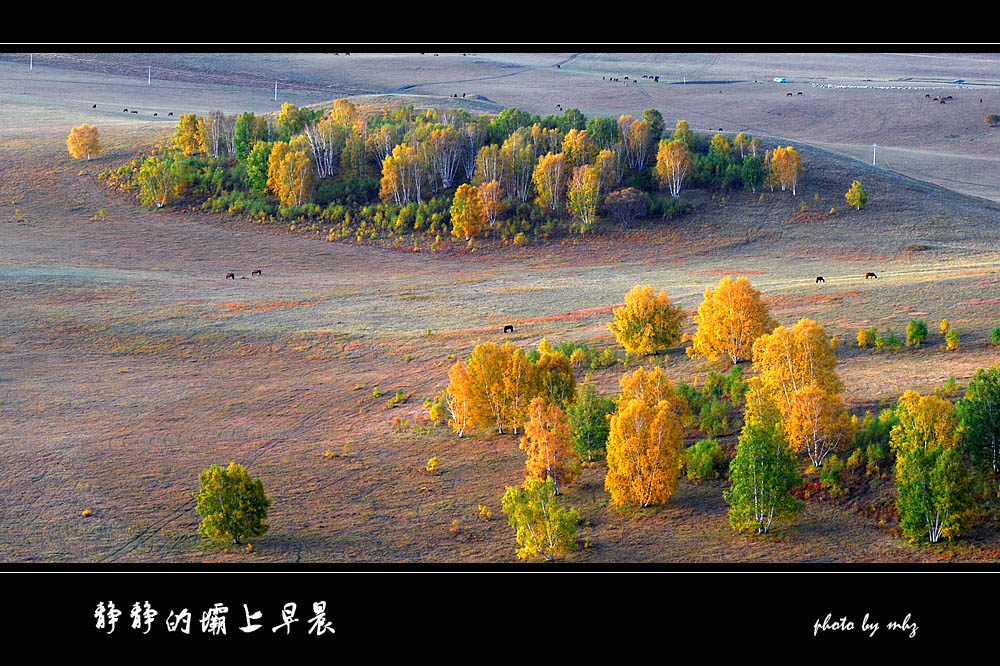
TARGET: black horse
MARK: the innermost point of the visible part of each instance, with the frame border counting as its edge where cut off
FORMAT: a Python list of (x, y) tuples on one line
[(820, 279), (508, 328)]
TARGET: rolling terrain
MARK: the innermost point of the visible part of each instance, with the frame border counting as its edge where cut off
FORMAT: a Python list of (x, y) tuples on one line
[(128, 364)]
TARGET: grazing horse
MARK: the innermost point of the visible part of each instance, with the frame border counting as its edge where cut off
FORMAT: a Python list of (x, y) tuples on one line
[(94, 107), (820, 279), (508, 328), (870, 275), (255, 271), (231, 275)]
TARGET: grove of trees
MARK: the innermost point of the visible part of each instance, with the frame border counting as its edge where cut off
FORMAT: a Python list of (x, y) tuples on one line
[(368, 173)]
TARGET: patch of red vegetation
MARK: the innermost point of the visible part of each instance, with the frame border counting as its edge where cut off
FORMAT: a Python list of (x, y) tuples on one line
[(572, 316), (781, 302), (805, 217), (980, 301), (719, 271), (265, 306)]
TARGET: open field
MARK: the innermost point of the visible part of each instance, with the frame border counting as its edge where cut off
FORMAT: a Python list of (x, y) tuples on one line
[(128, 364)]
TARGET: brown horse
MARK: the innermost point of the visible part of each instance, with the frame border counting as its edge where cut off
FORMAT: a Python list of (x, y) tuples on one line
[(256, 271), (870, 275), (231, 275)]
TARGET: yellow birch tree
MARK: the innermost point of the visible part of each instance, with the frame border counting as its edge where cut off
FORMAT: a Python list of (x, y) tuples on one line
[(730, 318), (648, 322), (83, 141)]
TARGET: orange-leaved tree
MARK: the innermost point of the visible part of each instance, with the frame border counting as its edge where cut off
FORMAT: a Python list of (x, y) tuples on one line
[(797, 372), (644, 447), (467, 213), (491, 197), (730, 318), (548, 443), (293, 176), (83, 141), (187, 135), (647, 322), (501, 382)]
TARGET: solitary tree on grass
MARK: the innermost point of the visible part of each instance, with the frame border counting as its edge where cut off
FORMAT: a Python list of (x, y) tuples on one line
[(232, 505), (83, 141), (857, 196)]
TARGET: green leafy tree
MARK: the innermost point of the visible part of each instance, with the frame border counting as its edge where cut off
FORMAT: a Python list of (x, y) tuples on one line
[(158, 180), (603, 131), (933, 490), (763, 474), (979, 419), (656, 123), (257, 164), (232, 505), (753, 172), (247, 131), (916, 332), (588, 417), (934, 495), (951, 339), (541, 526), (857, 196), (506, 122)]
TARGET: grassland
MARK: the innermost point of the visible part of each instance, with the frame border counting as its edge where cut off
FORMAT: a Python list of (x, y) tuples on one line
[(128, 364)]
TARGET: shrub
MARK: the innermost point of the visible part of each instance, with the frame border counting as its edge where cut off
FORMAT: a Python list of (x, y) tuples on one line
[(944, 326), (703, 460), (995, 337), (831, 476), (916, 332), (588, 417), (951, 339), (855, 460), (432, 464), (866, 337)]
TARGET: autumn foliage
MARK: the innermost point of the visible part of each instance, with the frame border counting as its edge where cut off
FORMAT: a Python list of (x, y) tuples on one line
[(730, 318), (83, 141), (648, 322), (797, 373), (644, 448), (548, 443)]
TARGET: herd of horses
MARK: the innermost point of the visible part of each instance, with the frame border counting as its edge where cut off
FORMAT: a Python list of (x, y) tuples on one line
[(509, 328), (255, 271), (125, 110), (868, 275)]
